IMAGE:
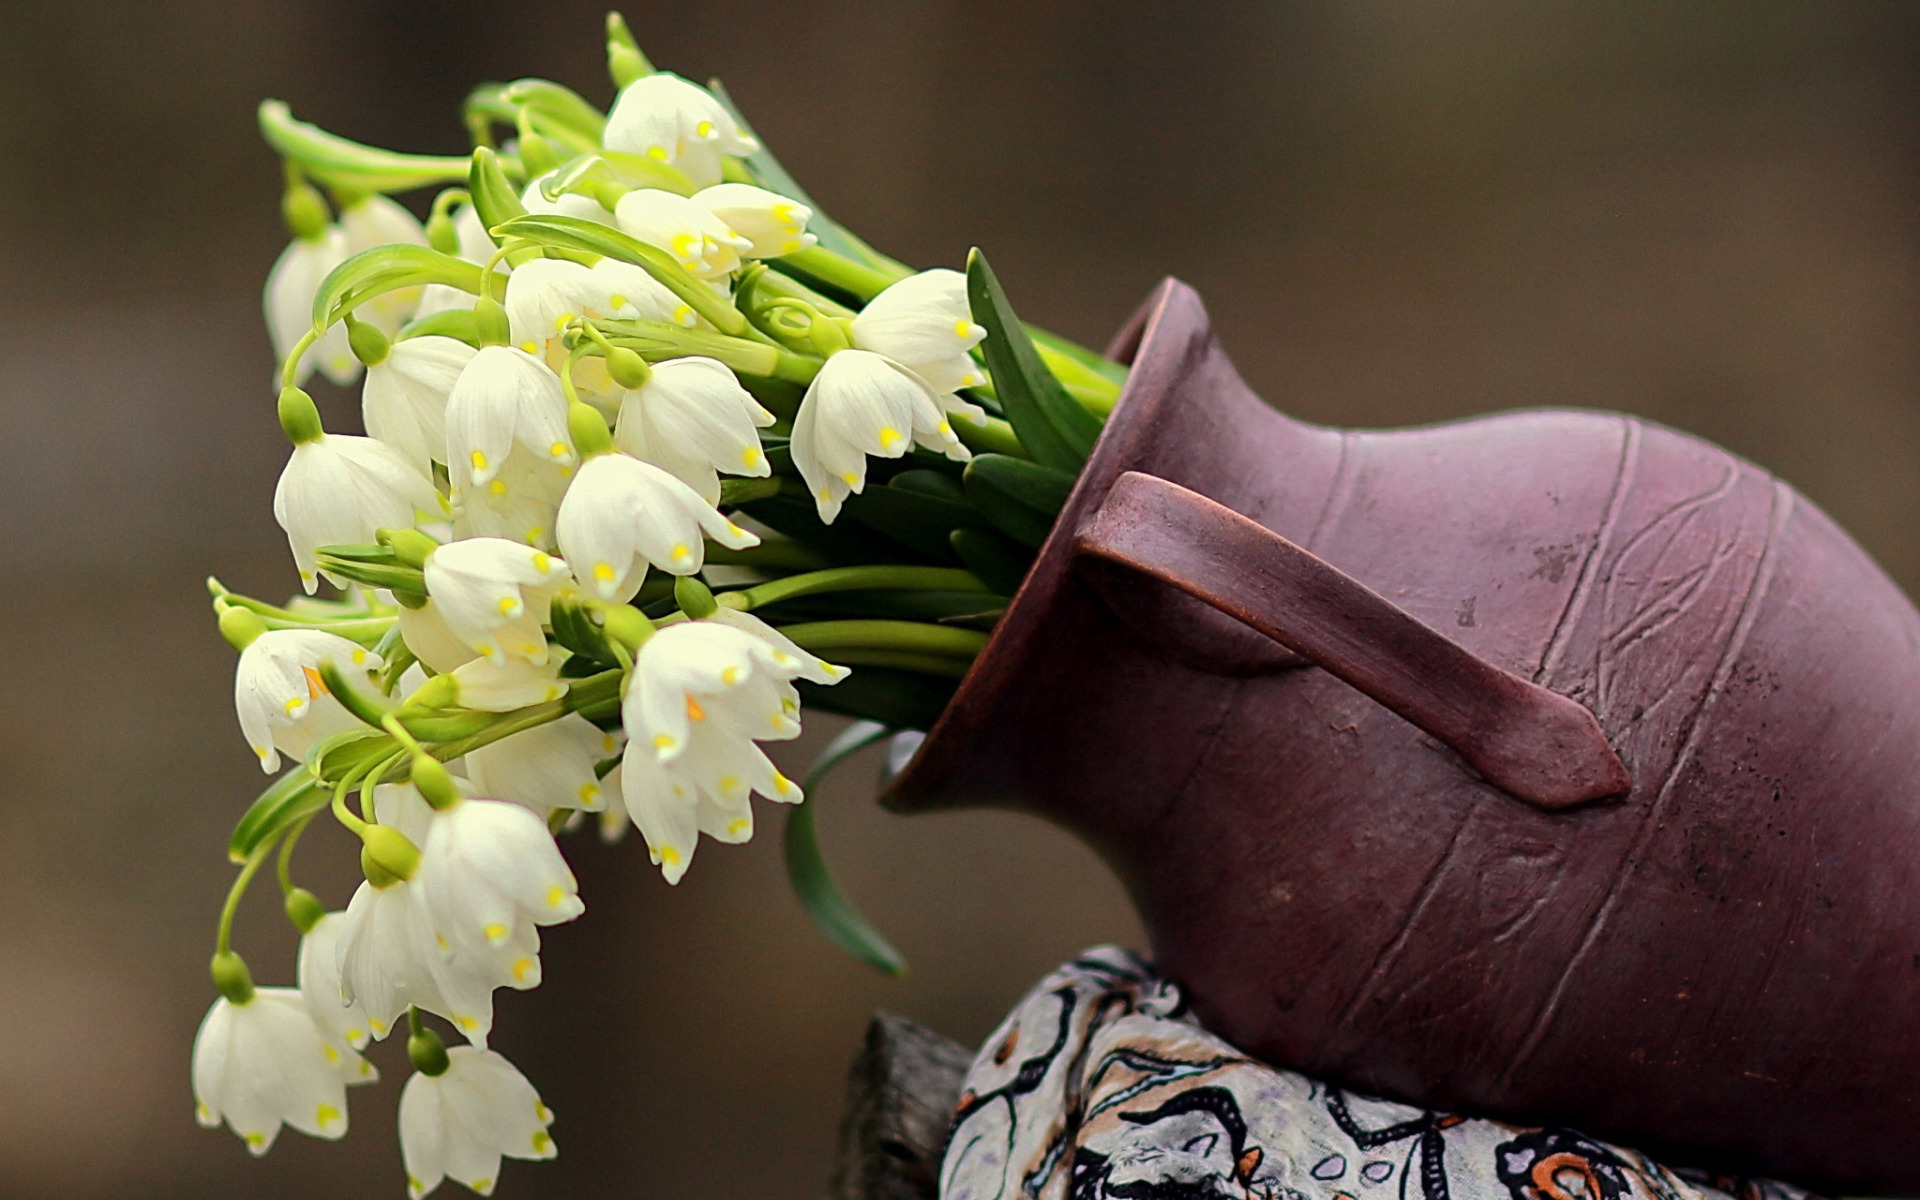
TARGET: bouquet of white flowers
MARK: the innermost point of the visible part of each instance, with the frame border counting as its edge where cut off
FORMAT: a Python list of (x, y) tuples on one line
[(649, 440)]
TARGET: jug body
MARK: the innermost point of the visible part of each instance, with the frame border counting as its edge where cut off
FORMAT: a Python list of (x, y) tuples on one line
[(1722, 964)]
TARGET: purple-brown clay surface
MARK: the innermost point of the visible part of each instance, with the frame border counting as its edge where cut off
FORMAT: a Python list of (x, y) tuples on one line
[(1722, 964)]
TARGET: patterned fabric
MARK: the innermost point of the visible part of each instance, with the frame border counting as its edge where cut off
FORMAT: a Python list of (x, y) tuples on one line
[(1102, 1086)]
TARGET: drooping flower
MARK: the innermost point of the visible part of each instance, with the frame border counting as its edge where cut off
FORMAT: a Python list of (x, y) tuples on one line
[(693, 420), (681, 124), (343, 1023), (862, 403), (519, 503), (489, 873), (460, 1122), (547, 293), (282, 701), (923, 322), (773, 224), (566, 204), (698, 240), (288, 299), (425, 632), (388, 956), (702, 694), (370, 222), (486, 686), (404, 400), (505, 396), (546, 767), (338, 489), (263, 1062), (622, 514), (494, 595)]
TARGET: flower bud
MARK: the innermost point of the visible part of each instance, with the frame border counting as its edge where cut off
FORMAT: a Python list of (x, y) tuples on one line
[(428, 1052), (442, 691), (537, 154), (231, 976), (490, 318), (624, 60), (305, 211), (627, 368), (304, 909), (299, 418), (369, 345), (627, 626), (410, 546), (694, 598), (240, 626), (442, 234), (434, 783), (386, 856), (588, 429), (829, 336)]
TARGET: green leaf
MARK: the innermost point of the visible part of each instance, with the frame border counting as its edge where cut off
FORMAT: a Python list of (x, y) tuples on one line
[(494, 198), (913, 518), (1010, 515), (938, 484), (361, 565), (1000, 562), (1040, 488), (807, 869), (559, 112), (573, 233), (1051, 425), (347, 165), (385, 269), (286, 800), (843, 543), (902, 699)]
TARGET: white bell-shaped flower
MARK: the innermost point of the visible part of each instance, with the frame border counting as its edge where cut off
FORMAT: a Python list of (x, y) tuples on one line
[(282, 701), (288, 299), (518, 504), (924, 323), (489, 873), (340, 489), (549, 766), (785, 653), (264, 1063), (693, 420), (679, 123), (389, 957), (544, 295), (344, 1023), (862, 403), (773, 224), (375, 221), (622, 514), (425, 632), (504, 396), (502, 687), (701, 695), (461, 1122), (698, 240), (494, 595), (566, 204), (404, 400)]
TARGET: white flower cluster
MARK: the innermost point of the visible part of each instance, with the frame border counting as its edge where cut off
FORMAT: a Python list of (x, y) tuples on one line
[(531, 472)]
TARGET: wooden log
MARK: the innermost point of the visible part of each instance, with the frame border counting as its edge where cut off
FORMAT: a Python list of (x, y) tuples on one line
[(901, 1093)]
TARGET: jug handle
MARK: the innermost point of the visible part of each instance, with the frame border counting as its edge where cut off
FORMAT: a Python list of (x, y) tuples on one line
[(1532, 743)]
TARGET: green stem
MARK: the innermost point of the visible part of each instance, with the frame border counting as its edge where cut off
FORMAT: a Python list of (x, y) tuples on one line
[(995, 437), (284, 867), (823, 264), (853, 579), (223, 943), (820, 636), (904, 660)]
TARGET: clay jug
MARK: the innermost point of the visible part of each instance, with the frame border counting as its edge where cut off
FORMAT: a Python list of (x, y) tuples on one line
[(1550, 765)]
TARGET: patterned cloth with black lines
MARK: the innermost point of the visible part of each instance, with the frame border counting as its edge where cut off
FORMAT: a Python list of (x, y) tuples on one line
[(1101, 1085)]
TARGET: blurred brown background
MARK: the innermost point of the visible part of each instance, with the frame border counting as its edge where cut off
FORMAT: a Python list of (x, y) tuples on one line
[(1398, 212)]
